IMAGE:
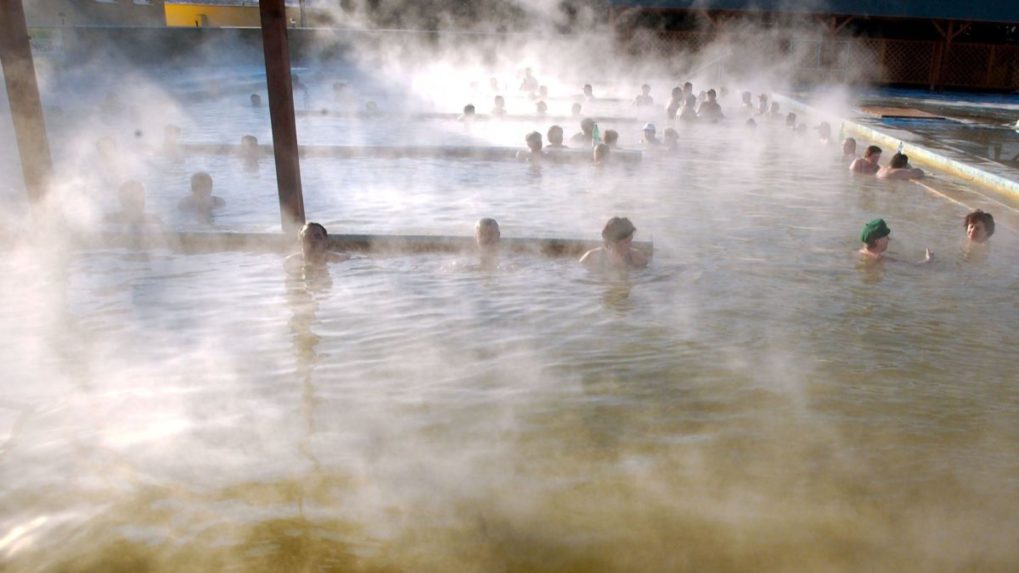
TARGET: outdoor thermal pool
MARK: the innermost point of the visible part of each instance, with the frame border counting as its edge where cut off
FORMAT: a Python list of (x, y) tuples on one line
[(755, 400)]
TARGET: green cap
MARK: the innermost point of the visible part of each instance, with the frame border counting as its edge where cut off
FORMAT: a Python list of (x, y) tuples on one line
[(875, 230)]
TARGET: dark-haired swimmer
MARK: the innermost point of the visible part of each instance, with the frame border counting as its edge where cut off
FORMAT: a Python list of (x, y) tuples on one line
[(588, 92), (575, 110), (529, 83), (541, 108), (849, 148), (824, 133), (689, 110), (611, 138), (875, 237), (867, 165), (555, 138), (790, 120), (201, 201), (533, 153), (132, 209), (675, 102), (469, 113), (762, 104), (979, 226), (899, 169), (617, 252), (256, 100), (314, 249), (747, 101), (710, 110), (586, 135), (500, 107), (671, 137), (644, 99)]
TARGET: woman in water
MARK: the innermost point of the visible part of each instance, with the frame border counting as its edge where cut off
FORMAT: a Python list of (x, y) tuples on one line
[(617, 252), (979, 226)]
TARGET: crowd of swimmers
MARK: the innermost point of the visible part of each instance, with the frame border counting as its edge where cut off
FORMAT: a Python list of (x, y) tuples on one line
[(617, 250)]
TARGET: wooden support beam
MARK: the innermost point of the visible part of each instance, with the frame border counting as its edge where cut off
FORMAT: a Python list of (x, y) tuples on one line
[(281, 113), (23, 94)]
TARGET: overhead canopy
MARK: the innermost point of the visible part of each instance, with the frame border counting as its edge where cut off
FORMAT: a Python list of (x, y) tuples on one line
[(972, 10)]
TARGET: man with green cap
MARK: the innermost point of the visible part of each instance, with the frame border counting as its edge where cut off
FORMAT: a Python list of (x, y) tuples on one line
[(875, 237)]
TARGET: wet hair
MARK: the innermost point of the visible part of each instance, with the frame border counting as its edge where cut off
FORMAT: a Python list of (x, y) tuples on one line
[(491, 226), (533, 140), (201, 180), (588, 88), (979, 216), (256, 100), (645, 88), (849, 142), (871, 150), (601, 152), (541, 107), (899, 161), (555, 135), (790, 119), (469, 109), (687, 85), (587, 125), (617, 229), (712, 94), (309, 226), (610, 136)]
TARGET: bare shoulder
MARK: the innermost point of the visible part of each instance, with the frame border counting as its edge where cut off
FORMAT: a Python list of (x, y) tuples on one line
[(592, 257)]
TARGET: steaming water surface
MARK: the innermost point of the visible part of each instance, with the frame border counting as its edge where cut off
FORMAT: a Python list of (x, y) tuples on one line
[(755, 400)]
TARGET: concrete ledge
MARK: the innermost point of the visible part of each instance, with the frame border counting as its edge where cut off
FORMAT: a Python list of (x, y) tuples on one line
[(916, 153), (375, 244)]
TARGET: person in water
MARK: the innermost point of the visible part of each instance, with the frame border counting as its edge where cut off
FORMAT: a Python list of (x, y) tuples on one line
[(256, 100), (314, 248), (575, 110), (533, 153), (762, 104), (824, 133), (875, 237), (611, 138), (898, 168), (529, 83), (541, 108), (555, 137), (849, 148), (689, 110), (588, 92), (979, 226), (710, 110), (601, 154), (790, 120), (649, 138), (500, 107), (586, 135), (487, 236), (747, 101), (469, 114), (671, 138), (617, 251), (201, 201), (644, 99), (867, 165), (132, 208), (675, 102)]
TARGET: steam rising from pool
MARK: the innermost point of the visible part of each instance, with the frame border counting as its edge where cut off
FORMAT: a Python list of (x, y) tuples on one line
[(752, 401)]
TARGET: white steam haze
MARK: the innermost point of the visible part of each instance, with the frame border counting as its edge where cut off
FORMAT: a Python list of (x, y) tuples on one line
[(755, 400)]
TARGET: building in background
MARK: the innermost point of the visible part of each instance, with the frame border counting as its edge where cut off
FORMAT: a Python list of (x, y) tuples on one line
[(80, 13)]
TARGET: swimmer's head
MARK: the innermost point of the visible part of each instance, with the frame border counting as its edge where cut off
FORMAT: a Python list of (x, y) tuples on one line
[(677, 92), (486, 233), (899, 161), (601, 153), (618, 229), (533, 140), (645, 89), (500, 102), (611, 137), (541, 108), (201, 185), (751, 123), (587, 126), (670, 135), (314, 240), (469, 109), (691, 100), (256, 100), (132, 197), (649, 131), (790, 120), (588, 90), (875, 235), (555, 135), (849, 146), (712, 95), (873, 153), (824, 130), (687, 87), (979, 226), (575, 110)]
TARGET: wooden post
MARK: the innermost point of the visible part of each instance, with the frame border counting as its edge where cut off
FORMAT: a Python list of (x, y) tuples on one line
[(281, 113), (23, 93)]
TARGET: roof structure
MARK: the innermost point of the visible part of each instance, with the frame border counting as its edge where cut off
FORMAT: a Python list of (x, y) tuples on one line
[(969, 11)]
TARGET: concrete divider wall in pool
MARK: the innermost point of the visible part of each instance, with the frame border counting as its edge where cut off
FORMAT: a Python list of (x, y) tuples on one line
[(917, 153)]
